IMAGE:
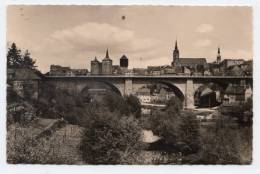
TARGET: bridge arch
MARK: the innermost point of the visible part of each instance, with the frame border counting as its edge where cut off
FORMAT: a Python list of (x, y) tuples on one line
[(99, 86), (178, 92), (154, 94)]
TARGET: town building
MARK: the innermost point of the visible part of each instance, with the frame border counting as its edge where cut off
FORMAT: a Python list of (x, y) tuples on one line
[(140, 71), (24, 81), (57, 70), (197, 64), (234, 94), (106, 65), (79, 72), (124, 62), (146, 110), (207, 72), (218, 56), (144, 95), (95, 67), (231, 62), (247, 67), (154, 70), (116, 69), (234, 70), (169, 70), (161, 94)]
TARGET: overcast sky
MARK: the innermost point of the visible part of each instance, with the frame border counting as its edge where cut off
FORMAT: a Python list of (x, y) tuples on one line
[(74, 35)]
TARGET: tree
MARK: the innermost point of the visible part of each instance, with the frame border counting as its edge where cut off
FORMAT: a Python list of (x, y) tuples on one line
[(166, 123), (221, 145), (115, 103), (15, 59), (189, 132), (134, 105), (111, 139), (179, 129), (175, 104), (28, 62)]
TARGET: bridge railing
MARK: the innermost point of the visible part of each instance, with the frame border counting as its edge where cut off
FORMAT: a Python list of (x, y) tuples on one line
[(150, 76)]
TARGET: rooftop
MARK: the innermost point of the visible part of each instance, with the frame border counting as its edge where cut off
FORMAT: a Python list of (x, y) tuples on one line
[(199, 61), (24, 74)]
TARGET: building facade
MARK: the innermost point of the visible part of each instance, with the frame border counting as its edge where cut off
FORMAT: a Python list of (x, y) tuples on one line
[(107, 65), (25, 82), (218, 56), (95, 67), (231, 62), (124, 62), (57, 70), (196, 65)]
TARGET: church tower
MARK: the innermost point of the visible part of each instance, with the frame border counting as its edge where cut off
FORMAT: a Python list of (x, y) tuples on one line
[(95, 67), (175, 55), (107, 65), (218, 56)]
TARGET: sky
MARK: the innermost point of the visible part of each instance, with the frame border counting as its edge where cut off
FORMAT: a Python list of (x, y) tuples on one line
[(74, 35)]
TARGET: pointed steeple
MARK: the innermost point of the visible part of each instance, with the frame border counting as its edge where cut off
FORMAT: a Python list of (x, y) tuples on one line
[(176, 45), (218, 56), (176, 54), (95, 59), (107, 55)]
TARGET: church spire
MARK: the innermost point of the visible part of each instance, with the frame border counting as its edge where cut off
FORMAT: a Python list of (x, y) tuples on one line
[(175, 54), (218, 56), (176, 45), (107, 55)]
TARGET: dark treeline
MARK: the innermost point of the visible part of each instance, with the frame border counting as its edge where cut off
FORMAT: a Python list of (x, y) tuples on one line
[(17, 59)]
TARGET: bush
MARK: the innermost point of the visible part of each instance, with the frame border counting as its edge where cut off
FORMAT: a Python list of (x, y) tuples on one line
[(115, 102), (178, 129), (57, 103), (189, 133), (166, 123), (134, 105), (22, 147), (174, 104), (227, 145), (109, 139)]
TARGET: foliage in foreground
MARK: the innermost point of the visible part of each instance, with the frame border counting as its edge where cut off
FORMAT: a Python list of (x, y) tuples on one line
[(179, 130), (225, 144), (111, 139), (22, 147), (15, 58), (57, 103)]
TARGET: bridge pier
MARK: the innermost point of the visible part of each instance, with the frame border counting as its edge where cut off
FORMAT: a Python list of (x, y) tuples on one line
[(128, 87), (189, 94)]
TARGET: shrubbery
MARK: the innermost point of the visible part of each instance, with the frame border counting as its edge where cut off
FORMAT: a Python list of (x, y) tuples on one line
[(134, 105), (57, 103), (22, 147), (179, 131), (111, 139)]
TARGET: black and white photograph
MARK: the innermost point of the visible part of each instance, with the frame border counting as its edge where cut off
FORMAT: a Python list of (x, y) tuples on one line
[(129, 85)]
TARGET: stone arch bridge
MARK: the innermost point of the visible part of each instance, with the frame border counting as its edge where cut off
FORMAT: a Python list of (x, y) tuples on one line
[(183, 86)]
